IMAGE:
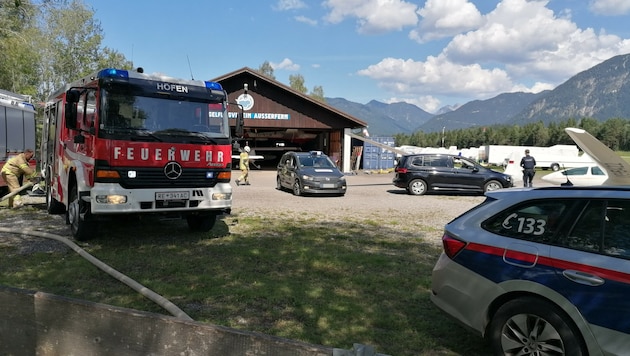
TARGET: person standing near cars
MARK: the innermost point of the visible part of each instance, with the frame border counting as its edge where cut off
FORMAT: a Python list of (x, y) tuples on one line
[(529, 164), (244, 167)]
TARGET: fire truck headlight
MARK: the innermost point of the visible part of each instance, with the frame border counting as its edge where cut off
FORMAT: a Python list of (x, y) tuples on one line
[(221, 196), (111, 199)]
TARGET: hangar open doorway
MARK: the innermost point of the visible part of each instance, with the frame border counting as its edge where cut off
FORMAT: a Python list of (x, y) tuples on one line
[(278, 119)]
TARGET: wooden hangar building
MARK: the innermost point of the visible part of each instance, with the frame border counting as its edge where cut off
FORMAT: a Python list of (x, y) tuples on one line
[(280, 119)]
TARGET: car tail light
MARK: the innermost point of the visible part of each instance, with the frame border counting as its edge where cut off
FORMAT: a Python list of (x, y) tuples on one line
[(400, 170), (452, 246)]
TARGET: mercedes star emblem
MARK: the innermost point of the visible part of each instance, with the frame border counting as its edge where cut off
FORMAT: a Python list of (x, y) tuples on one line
[(172, 170)]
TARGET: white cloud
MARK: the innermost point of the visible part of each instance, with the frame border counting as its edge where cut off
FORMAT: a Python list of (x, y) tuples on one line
[(610, 7), (530, 40), (536, 88), (445, 18), (286, 64), (306, 20), (373, 16), (513, 31), (427, 103), (437, 76), (521, 45), (284, 5)]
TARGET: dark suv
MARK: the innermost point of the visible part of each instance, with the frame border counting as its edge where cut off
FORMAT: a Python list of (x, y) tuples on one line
[(428, 172)]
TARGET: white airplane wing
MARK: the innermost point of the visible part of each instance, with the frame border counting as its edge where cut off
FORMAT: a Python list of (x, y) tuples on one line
[(617, 168), (252, 157)]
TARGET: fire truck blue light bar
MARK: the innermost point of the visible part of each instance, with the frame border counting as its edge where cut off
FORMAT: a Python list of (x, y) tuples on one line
[(112, 72), (213, 85)]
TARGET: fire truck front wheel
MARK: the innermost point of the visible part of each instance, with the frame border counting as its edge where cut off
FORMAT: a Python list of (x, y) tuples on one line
[(202, 223), (78, 216), (53, 206)]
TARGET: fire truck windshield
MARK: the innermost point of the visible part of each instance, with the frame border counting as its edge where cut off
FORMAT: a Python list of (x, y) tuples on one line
[(156, 116)]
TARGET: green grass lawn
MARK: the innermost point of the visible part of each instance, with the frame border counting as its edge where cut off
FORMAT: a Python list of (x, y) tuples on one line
[(333, 284)]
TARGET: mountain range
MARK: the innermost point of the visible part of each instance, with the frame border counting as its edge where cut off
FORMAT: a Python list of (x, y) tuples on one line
[(601, 92)]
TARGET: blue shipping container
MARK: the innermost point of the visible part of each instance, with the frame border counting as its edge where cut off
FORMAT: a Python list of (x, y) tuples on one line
[(375, 157)]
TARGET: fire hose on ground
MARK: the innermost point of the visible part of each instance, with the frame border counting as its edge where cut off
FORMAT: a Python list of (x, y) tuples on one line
[(151, 295), (12, 194)]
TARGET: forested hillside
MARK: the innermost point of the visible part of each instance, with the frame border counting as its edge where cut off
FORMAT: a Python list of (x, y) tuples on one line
[(615, 133)]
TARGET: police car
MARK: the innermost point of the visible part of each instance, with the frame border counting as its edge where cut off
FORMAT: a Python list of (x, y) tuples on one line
[(543, 271)]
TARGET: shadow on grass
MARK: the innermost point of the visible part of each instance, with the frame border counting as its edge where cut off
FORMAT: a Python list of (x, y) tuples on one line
[(330, 283)]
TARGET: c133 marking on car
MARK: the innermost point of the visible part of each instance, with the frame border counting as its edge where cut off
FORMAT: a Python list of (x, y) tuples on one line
[(525, 224)]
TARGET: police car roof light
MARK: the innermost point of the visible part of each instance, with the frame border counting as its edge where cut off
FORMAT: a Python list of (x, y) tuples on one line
[(316, 153), (213, 85)]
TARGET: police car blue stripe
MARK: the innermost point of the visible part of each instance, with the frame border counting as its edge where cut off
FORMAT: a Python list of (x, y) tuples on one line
[(607, 305)]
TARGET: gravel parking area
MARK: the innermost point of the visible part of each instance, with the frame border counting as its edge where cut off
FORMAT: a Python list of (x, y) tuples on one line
[(371, 199)]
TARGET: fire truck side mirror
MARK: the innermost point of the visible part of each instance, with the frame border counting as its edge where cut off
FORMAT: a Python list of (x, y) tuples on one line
[(72, 98), (238, 131), (240, 123)]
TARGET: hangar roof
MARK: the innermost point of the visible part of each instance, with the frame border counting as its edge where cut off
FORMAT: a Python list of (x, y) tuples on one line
[(287, 97)]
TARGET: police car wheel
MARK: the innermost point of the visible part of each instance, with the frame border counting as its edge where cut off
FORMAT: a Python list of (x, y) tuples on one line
[(530, 326)]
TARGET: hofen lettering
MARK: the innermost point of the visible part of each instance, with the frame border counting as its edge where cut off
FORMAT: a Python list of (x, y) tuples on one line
[(172, 87)]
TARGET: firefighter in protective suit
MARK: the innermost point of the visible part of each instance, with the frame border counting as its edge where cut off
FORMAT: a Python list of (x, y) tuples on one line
[(244, 166), (13, 169)]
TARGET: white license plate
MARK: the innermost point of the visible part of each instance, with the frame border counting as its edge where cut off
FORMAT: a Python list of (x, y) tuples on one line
[(171, 196), (328, 185)]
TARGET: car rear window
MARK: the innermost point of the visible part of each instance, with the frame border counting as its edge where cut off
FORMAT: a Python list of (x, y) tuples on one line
[(596, 225), (604, 227), (537, 221)]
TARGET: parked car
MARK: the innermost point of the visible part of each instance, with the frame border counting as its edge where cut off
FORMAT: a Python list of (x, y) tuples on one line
[(543, 271), (309, 173), (422, 173), (579, 176)]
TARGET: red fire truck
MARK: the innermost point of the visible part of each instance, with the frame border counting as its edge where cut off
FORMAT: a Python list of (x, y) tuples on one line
[(17, 128), (125, 142)]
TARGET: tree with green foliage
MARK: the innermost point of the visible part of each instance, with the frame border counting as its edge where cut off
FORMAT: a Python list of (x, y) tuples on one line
[(267, 70), (296, 82), (46, 45), (318, 93), (18, 54), (71, 46)]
